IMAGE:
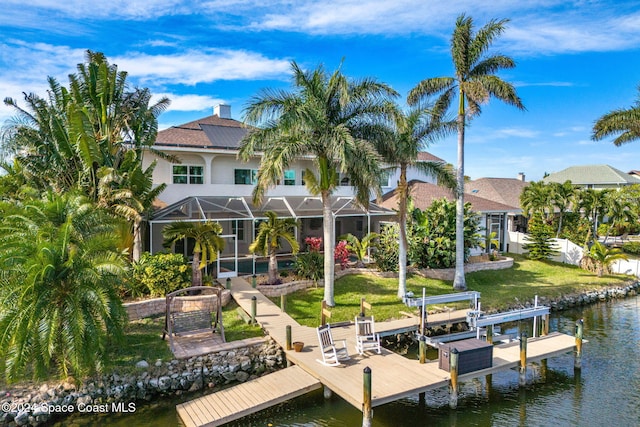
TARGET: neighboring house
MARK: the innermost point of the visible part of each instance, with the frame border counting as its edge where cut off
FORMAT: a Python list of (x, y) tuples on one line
[(493, 214), (209, 182), (506, 191), (593, 176), (393, 175)]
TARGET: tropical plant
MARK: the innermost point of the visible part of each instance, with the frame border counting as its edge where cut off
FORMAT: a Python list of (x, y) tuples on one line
[(91, 136), (475, 83), (434, 234), (159, 274), (387, 248), (602, 257), (625, 123), (540, 237), (359, 247), (207, 243), (310, 266), (407, 135), (490, 243), (341, 254), (618, 213), (272, 233), (327, 117), (593, 204), (562, 197), (59, 306), (535, 200)]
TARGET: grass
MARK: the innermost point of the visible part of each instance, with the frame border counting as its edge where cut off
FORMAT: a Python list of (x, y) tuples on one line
[(142, 340), (500, 289)]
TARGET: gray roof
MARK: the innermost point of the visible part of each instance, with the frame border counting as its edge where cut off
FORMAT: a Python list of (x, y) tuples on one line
[(592, 175), (502, 190)]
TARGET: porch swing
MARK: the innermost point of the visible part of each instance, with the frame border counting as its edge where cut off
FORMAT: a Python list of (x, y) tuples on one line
[(190, 317)]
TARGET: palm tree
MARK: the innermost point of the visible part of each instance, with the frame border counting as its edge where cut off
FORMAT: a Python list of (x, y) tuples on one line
[(603, 256), (272, 233), (207, 243), (408, 134), (593, 203), (59, 306), (475, 83), (618, 211), (535, 200), (325, 117), (359, 247), (622, 122), (562, 196)]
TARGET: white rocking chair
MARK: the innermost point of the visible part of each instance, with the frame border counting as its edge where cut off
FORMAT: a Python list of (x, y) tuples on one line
[(366, 337), (331, 353)]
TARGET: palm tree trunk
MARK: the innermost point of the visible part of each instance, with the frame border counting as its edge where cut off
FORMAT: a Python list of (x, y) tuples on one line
[(137, 240), (402, 246), (459, 282), (273, 268), (329, 263), (196, 273)]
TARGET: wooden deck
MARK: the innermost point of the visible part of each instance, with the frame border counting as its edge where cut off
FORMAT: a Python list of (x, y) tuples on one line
[(393, 376), (247, 398)]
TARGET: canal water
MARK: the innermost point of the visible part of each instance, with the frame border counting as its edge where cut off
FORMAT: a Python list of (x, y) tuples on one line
[(606, 392)]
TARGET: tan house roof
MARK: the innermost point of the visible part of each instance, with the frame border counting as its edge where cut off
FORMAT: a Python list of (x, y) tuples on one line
[(209, 132), (502, 190), (424, 193), (424, 156)]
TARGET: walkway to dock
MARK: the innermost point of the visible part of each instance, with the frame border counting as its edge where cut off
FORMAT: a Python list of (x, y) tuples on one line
[(393, 376)]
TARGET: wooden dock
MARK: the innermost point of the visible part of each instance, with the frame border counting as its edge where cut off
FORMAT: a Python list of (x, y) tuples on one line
[(247, 398), (393, 376)]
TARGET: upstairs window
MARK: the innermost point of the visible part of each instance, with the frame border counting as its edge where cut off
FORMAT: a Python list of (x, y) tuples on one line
[(188, 174), (245, 176), (290, 177)]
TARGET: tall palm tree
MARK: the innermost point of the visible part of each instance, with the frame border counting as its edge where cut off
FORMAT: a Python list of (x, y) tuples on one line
[(207, 243), (407, 135), (562, 197), (535, 200), (59, 307), (272, 233), (593, 204), (618, 211), (475, 83), (625, 123), (326, 117)]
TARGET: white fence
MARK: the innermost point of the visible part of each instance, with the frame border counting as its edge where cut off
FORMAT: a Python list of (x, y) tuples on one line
[(570, 253)]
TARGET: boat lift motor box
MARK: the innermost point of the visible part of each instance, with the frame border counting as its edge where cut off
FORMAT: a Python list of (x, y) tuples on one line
[(473, 355)]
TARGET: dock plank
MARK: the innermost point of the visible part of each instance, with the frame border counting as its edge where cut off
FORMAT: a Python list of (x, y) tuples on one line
[(234, 403)]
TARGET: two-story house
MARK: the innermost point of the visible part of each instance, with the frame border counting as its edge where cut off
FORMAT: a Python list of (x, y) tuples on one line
[(208, 181)]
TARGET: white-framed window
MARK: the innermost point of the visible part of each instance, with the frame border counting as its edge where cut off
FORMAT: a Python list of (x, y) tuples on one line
[(385, 178), (290, 177), (245, 176), (188, 174)]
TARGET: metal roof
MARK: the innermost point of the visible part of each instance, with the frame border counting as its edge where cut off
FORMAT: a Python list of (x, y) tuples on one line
[(226, 208)]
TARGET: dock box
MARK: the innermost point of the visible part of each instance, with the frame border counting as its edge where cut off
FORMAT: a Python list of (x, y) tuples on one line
[(473, 355)]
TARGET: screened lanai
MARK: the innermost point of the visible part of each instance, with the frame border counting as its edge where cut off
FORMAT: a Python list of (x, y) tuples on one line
[(240, 218)]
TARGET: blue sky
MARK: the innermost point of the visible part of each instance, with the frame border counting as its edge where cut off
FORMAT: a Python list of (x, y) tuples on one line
[(575, 61)]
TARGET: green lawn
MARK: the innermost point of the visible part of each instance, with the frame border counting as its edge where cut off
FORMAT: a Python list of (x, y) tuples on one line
[(499, 289)]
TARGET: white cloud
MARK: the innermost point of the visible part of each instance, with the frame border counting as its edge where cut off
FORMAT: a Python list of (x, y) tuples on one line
[(190, 102), (209, 65)]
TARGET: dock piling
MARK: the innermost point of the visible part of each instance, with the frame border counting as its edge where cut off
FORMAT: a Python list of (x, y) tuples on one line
[(228, 282), (490, 334), (283, 303), (254, 309), (367, 413), (523, 359), (578, 355), (254, 279), (423, 349), (453, 370), (288, 329)]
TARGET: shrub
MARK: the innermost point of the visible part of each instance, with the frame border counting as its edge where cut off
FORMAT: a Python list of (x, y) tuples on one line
[(161, 273), (341, 254), (310, 266), (386, 250), (631, 248)]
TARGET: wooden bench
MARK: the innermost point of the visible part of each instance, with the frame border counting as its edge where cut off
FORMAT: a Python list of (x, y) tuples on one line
[(190, 322)]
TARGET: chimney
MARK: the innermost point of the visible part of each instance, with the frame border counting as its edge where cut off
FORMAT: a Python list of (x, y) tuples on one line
[(223, 111), (521, 176)]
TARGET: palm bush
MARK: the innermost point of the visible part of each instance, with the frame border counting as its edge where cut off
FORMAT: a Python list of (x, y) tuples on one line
[(310, 266), (59, 306), (387, 248), (272, 233), (602, 257), (359, 247)]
